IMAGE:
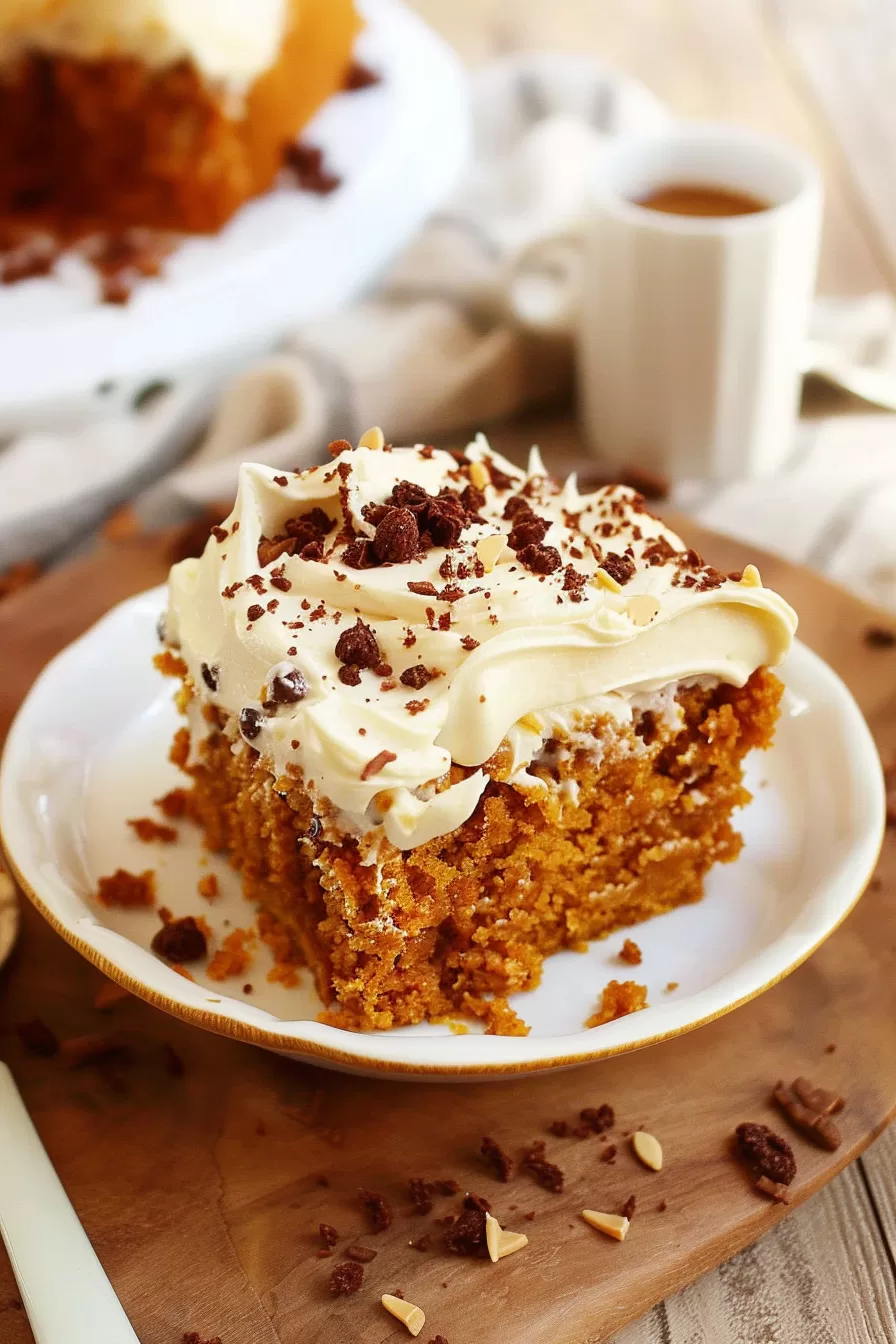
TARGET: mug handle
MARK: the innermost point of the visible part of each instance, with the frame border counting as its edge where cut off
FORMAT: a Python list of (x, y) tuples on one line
[(542, 284)]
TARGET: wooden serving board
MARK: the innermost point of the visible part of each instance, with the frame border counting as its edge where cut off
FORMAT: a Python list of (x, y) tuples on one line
[(203, 1193)]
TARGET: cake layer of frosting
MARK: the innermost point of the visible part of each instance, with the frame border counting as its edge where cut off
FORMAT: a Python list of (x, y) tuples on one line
[(230, 41), (391, 614)]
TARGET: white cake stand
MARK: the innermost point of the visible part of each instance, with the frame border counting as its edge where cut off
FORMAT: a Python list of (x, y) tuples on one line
[(289, 256)]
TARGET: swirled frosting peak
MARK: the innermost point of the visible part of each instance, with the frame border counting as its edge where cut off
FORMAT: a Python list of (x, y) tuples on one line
[(397, 612)]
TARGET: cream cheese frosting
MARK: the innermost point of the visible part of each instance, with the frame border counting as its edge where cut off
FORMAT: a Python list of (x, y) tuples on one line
[(229, 41), (372, 653)]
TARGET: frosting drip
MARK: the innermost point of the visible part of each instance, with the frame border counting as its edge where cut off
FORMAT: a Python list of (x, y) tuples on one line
[(373, 652)]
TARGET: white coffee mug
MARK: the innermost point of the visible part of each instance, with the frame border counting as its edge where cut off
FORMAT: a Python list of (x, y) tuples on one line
[(691, 330)]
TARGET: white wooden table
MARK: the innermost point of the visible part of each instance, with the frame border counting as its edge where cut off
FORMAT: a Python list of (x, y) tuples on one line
[(822, 73)]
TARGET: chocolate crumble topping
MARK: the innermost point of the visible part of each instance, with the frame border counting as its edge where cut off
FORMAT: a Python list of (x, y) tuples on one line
[(397, 537), (765, 1153), (328, 1235), (547, 1174), (619, 567), (358, 647), (421, 1195), (416, 677), (346, 1278), (496, 1158), (255, 612), (180, 940), (378, 1211), (598, 1119), (540, 559)]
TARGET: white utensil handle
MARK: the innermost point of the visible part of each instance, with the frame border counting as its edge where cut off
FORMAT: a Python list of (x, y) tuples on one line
[(65, 1291)]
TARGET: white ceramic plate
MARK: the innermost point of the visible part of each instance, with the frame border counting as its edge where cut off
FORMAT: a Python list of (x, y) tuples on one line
[(89, 749), (283, 259)]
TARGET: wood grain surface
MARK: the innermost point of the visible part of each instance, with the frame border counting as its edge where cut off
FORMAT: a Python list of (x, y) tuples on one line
[(202, 1193)]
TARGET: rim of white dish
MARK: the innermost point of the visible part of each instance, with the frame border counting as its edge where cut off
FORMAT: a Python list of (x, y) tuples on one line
[(437, 1056)]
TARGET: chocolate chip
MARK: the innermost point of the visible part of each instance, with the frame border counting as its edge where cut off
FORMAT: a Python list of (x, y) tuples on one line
[(250, 723), (423, 588), (397, 537), (255, 612), (350, 676), (288, 687), (210, 676), (358, 647), (180, 940)]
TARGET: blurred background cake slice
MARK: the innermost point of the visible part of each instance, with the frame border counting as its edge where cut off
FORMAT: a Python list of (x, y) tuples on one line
[(164, 113)]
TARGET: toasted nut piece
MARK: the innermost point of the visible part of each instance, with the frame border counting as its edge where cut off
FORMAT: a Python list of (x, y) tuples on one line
[(489, 548), (613, 1224), (493, 1232), (405, 1312), (501, 1243), (479, 475), (601, 579), (751, 578), (511, 1242), (531, 721), (642, 608), (372, 438), (648, 1150)]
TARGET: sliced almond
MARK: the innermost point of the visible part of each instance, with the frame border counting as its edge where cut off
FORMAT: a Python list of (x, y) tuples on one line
[(489, 548), (647, 1150), (531, 721), (642, 608), (493, 1234), (601, 579), (501, 1243), (479, 474), (511, 1242), (372, 438), (751, 578), (405, 1312), (612, 1224)]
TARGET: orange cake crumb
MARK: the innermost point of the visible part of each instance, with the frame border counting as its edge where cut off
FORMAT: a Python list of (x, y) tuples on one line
[(287, 957), (618, 1000), (173, 804), (169, 664), (147, 830), (233, 956), (497, 1014), (630, 953), (180, 748), (127, 890), (207, 886)]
